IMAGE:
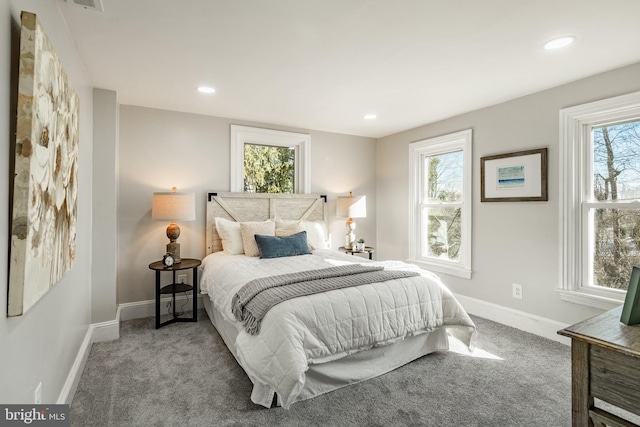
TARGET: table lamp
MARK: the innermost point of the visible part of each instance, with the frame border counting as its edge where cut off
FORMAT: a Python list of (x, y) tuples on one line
[(351, 207), (174, 206)]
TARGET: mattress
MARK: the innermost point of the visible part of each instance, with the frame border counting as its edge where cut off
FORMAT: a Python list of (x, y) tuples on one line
[(314, 344)]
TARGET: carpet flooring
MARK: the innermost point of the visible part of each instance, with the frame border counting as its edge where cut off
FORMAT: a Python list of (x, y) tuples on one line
[(183, 375)]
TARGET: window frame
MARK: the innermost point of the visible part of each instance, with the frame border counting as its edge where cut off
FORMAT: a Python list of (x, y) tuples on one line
[(576, 151), (430, 147), (241, 135)]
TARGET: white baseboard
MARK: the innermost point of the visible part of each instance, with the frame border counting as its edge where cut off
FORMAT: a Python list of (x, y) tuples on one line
[(71, 384), (142, 309), (97, 332), (527, 322), (107, 331)]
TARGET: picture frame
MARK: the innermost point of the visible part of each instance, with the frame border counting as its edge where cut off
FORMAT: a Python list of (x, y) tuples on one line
[(45, 180), (514, 177), (631, 308)]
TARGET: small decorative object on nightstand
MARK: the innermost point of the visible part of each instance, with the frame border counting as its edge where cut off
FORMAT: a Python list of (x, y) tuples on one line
[(168, 260), (367, 250), (173, 288)]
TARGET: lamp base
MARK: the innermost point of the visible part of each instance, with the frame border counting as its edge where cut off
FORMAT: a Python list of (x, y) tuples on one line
[(350, 238), (173, 232), (174, 249), (350, 241)]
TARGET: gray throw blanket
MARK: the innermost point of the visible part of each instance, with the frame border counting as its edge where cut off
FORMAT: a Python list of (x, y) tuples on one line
[(258, 296)]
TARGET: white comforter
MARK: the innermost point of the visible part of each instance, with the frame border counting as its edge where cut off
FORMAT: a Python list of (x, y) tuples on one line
[(324, 327)]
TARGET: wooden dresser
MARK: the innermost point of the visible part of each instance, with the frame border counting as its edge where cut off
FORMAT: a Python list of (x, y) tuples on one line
[(605, 364)]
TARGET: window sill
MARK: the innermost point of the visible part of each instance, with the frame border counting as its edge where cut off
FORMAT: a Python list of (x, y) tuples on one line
[(590, 299), (446, 269)]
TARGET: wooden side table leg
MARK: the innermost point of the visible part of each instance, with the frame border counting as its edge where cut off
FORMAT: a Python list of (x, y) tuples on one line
[(157, 299), (581, 401)]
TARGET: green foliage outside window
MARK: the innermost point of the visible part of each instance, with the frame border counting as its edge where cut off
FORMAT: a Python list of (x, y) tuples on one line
[(443, 185), (269, 169)]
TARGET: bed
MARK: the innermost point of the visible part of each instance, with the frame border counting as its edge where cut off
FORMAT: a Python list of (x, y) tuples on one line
[(313, 344)]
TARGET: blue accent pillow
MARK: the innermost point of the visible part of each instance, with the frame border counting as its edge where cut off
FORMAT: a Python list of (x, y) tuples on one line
[(281, 246)]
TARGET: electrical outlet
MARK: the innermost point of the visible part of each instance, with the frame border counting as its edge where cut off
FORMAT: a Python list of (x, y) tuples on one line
[(38, 394), (182, 278), (517, 291)]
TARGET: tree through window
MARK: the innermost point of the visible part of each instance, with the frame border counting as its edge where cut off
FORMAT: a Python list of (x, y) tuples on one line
[(269, 169), (600, 199), (442, 205), (269, 161), (615, 226), (440, 194)]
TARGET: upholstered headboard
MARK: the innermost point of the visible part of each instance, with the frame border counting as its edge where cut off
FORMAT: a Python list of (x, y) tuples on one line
[(242, 207)]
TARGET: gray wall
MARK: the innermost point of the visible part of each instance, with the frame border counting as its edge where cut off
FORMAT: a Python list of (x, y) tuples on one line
[(512, 242), (161, 149), (156, 149), (42, 344), (105, 162)]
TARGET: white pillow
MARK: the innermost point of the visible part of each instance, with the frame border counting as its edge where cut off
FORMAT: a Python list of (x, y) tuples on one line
[(286, 223), (229, 232), (316, 234), (289, 228), (249, 229)]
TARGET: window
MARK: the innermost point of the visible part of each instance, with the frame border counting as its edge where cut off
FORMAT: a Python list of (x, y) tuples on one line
[(269, 169), (269, 161), (600, 196), (440, 198)]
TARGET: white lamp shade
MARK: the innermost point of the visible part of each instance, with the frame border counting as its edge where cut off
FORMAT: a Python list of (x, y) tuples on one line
[(352, 207), (174, 206)]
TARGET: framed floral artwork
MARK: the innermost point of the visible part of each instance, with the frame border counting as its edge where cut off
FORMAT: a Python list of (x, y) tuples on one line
[(45, 186)]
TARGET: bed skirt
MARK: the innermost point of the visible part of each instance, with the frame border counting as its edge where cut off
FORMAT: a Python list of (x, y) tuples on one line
[(325, 377)]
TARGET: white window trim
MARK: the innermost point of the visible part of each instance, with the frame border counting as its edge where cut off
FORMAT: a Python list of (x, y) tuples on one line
[(575, 125), (241, 135), (434, 146)]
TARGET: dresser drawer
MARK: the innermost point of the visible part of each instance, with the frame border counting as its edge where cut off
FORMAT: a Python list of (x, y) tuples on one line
[(615, 378)]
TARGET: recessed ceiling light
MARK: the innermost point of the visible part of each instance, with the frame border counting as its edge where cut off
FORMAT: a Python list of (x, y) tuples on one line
[(206, 89), (370, 117), (559, 42)]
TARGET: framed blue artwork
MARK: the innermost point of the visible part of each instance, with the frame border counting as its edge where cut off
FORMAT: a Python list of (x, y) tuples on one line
[(514, 177)]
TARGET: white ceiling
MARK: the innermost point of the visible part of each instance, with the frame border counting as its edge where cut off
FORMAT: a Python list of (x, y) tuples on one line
[(323, 64)]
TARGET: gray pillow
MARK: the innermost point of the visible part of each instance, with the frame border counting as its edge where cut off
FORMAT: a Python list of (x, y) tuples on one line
[(281, 246)]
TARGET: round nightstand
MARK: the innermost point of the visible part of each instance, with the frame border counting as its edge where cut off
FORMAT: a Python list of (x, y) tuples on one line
[(173, 288), (367, 250)]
